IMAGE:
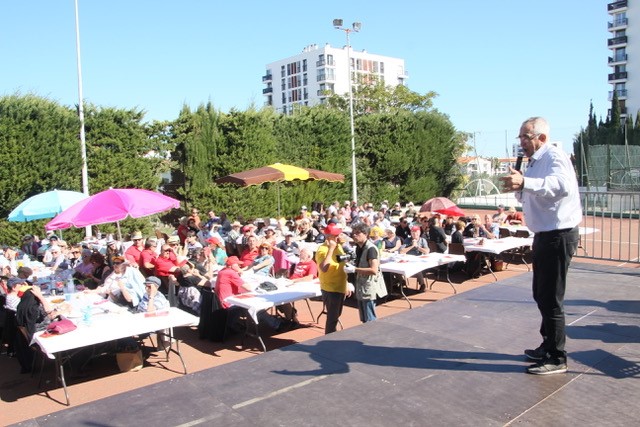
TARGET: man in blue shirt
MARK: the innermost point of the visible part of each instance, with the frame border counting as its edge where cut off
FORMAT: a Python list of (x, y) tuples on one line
[(550, 200)]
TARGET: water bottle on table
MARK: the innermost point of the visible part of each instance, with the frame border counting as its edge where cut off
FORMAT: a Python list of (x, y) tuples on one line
[(86, 315)]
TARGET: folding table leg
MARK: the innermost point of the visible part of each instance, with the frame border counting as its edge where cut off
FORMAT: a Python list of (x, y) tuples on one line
[(402, 286), (257, 333), (60, 373)]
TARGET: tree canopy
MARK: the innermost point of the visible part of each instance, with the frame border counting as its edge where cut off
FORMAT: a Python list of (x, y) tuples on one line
[(405, 151)]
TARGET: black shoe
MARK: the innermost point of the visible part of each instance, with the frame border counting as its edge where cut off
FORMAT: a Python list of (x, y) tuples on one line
[(285, 325), (423, 288), (536, 354), (548, 367)]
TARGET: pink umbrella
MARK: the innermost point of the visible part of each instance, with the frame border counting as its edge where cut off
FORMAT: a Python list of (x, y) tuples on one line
[(112, 205), (435, 204)]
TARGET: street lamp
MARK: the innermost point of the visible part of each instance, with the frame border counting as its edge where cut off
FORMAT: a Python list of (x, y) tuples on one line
[(83, 145), (337, 24)]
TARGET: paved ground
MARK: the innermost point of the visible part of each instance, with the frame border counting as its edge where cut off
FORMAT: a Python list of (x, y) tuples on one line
[(457, 361)]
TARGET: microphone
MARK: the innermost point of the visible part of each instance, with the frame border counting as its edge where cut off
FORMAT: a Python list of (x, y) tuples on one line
[(518, 163)]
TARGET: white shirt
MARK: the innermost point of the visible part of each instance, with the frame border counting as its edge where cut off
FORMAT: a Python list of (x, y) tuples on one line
[(550, 197)]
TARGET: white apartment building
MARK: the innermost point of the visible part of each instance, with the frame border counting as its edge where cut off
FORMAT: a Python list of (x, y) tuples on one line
[(624, 26), (318, 72)]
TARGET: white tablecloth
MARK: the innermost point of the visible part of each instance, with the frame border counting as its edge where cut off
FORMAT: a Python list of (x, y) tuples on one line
[(254, 302), (409, 265), (496, 246), (110, 326)]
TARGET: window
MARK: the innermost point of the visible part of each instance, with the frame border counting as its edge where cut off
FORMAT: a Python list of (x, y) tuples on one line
[(321, 75), (330, 60), (330, 74), (620, 54), (304, 79), (382, 67), (282, 74), (304, 65)]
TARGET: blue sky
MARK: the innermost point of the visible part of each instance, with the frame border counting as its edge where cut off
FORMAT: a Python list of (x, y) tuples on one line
[(493, 63)]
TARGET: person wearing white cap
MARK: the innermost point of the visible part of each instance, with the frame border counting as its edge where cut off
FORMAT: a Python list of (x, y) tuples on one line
[(304, 213)]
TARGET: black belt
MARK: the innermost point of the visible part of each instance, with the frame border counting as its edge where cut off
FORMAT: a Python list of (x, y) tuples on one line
[(554, 232)]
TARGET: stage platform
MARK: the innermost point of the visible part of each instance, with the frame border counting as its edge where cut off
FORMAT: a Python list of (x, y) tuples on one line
[(457, 361)]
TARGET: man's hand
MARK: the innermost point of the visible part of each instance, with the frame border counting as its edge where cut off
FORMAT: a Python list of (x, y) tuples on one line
[(512, 182), (350, 290)]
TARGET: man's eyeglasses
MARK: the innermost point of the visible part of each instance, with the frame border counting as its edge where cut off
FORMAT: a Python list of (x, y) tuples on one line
[(528, 136)]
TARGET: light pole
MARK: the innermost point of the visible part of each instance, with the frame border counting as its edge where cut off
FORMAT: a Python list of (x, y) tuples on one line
[(83, 144), (337, 24)]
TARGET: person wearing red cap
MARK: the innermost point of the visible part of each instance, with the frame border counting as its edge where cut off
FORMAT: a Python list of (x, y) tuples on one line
[(416, 245), (217, 250), (230, 283), (333, 278)]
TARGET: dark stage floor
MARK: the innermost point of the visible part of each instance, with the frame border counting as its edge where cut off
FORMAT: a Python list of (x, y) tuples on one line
[(455, 362)]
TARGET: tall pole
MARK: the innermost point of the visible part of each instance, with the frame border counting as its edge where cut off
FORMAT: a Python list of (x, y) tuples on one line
[(337, 24), (354, 189), (83, 144)]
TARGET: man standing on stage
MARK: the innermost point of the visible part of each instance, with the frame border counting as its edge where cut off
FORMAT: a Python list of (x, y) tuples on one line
[(550, 200)]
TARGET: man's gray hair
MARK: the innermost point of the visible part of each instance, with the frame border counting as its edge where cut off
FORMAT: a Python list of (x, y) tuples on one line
[(539, 124)]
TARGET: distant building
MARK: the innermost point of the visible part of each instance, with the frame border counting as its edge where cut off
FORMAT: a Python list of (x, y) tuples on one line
[(477, 166), (624, 61), (318, 72)]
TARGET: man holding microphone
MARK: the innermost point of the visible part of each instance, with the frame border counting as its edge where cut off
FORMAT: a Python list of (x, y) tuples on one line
[(550, 200)]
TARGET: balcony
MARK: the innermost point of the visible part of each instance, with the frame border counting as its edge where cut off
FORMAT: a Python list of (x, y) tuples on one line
[(267, 90), (618, 76), (267, 77), (623, 22), (617, 40), (623, 111), (321, 63), (618, 58), (622, 93), (617, 5)]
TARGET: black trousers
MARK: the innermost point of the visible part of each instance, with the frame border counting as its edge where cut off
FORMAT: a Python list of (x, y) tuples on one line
[(552, 253)]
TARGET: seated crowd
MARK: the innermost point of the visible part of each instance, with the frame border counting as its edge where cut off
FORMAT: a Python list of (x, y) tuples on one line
[(153, 272)]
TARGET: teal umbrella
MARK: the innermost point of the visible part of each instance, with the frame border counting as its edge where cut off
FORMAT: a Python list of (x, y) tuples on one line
[(45, 205)]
